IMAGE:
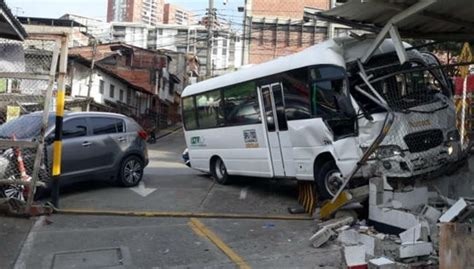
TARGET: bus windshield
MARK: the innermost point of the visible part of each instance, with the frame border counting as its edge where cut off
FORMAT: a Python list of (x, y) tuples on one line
[(406, 88)]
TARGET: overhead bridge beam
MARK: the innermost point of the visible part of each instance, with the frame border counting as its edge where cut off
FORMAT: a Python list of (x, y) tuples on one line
[(391, 29)]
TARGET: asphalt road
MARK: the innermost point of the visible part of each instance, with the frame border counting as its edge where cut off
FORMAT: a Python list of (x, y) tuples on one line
[(71, 241)]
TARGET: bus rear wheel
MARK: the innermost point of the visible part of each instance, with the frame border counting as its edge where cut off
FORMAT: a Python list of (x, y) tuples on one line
[(219, 172), (328, 180)]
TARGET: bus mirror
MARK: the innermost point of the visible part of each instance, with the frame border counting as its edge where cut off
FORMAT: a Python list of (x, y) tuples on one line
[(345, 106)]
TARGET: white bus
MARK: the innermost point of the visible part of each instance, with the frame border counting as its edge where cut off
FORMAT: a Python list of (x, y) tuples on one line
[(309, 116)]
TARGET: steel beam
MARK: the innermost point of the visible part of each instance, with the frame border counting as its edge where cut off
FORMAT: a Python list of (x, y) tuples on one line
[(419, 6)]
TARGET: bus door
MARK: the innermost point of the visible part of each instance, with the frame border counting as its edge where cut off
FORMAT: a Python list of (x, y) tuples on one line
[(274, 120)]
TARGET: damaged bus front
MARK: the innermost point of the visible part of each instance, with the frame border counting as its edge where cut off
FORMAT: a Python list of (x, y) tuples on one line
[(423, 137)]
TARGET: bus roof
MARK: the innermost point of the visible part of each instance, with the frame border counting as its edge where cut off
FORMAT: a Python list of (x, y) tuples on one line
[(335, 52)]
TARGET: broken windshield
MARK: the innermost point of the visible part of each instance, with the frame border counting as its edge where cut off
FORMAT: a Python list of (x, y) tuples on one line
[(405, 88)]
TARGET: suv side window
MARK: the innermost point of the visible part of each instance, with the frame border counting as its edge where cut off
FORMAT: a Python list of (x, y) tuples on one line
[(74, 128), (102, 126)]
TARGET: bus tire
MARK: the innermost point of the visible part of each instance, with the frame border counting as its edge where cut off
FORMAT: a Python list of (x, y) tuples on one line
[(219, 171), (328, 180)]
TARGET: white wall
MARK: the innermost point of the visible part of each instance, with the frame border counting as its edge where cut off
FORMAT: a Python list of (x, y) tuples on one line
[(80, 82)]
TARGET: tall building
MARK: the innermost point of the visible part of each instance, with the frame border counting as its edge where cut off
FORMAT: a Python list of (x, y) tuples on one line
[(149, 12), (276, 28), (226, 50), (175, 15)]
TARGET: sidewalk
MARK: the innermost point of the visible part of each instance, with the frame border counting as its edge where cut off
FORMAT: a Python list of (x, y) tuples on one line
[(13, 233), (169, 130)]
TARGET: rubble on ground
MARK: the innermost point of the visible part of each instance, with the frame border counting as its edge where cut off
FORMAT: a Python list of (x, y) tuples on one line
[(404, 229)]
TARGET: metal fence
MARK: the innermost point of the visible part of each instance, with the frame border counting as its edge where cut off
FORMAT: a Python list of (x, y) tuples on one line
[(27, 76)]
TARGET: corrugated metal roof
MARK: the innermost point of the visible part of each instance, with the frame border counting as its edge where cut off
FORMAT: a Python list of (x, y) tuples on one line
[(443, 20)]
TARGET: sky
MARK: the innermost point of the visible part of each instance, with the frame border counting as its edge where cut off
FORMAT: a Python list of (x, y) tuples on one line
[(98, 8)]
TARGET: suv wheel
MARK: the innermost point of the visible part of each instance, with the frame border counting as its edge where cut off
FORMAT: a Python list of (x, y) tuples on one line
[(219, 171), (131, 172)]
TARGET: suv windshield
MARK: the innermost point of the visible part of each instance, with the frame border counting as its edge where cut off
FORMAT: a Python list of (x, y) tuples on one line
[(24, 127)]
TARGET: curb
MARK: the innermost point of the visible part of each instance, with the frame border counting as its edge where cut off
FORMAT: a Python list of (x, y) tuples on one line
[(168, 133)]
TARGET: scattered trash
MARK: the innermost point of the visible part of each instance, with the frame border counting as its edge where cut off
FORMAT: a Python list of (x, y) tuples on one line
[(166, 251), (268, 225)]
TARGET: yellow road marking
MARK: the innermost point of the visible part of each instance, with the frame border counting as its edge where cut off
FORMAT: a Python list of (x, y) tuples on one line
[(169, 214), (219, 243), (196, 229)]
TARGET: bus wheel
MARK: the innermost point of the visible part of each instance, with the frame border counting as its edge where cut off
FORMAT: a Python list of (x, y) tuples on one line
[(328, 180), (219, 171)]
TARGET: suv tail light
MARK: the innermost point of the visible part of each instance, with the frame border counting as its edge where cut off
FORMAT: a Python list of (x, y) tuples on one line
[(143, 134)]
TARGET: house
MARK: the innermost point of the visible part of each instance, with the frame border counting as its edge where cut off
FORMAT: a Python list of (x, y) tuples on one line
[(77, 32), (133, 80)]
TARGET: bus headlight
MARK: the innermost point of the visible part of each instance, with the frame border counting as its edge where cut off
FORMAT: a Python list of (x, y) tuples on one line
[(386, 151)]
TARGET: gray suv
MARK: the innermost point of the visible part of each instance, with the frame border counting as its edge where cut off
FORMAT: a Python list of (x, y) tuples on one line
[(95, 145)]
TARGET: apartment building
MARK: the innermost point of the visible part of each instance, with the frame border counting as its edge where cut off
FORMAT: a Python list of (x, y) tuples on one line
[(149, 12), (174, 14)]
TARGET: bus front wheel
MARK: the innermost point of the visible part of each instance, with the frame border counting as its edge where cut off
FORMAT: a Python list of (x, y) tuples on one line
[(328, 180), (219, 171)]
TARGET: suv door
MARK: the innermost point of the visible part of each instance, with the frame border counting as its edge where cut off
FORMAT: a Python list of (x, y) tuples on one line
[(76, 147), (107, 139)]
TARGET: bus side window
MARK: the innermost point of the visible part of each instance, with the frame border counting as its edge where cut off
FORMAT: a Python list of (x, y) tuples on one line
[(297, 94), (209, 107), (189, 113), (241, 104)]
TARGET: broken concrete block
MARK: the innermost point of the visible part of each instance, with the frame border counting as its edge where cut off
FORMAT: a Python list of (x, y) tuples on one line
[(392, 217), (321, 237), (337, 223), (411, 199), (416, 233), (355, 257), (382, 263), (431, 214), (371, 244), (415, 249), (349, 237), (454, 211)]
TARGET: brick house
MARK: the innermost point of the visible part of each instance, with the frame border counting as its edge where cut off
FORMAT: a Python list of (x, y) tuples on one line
[(277, 28), (128, 79)]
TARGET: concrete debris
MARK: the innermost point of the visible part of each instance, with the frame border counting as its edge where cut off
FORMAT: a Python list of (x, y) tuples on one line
[(337, 223), (405, 231), (415, 249), (355, 257), (460, 211), (431, 214), (322, 236), (382, 263), (371, 244), (327, 230), (416, 233)]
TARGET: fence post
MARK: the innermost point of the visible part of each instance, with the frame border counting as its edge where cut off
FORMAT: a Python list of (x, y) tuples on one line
[(44, 126), (57, 148)]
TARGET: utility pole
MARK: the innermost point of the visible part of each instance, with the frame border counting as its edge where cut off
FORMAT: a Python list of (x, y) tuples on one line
[(91, 75), (244, 34), (210, 35)]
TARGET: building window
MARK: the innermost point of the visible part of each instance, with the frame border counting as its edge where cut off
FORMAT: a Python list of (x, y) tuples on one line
[(129, 96), (112, 91), (121, 95), (101, 86)]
